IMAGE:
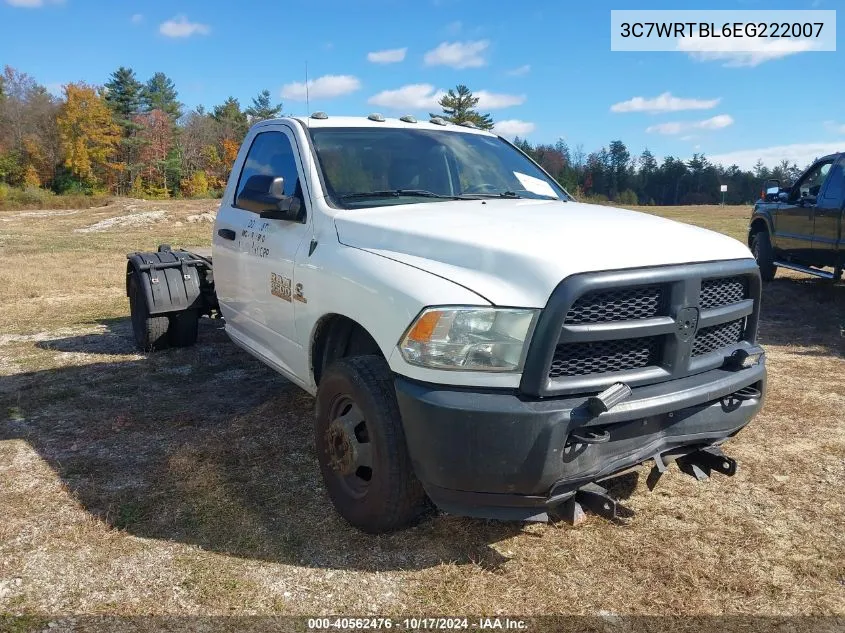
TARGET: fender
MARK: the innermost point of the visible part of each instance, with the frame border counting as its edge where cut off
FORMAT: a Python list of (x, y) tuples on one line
[(761, 214), (173, 281)]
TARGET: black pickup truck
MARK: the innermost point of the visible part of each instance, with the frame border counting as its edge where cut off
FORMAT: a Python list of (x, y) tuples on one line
[(800, 226)]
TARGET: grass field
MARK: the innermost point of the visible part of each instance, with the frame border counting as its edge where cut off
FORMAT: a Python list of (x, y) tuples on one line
[(185, 482)]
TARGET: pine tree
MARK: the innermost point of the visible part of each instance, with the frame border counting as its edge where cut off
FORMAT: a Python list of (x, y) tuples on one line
[(262, 108), (459, 107), (124, 94), (160, 94), (232, 121)]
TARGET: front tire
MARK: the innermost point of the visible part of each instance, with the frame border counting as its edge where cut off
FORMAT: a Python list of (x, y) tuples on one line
[(761, 247), (361, 447)]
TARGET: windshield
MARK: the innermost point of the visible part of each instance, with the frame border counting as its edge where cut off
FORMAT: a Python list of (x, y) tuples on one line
[(365, 167)]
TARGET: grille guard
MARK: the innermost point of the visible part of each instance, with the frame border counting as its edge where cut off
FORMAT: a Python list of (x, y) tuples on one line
[(684, 284)]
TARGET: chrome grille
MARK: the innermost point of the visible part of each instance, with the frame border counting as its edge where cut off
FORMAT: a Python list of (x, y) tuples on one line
[(619, 304), (716, 293), (600, 357), (709, 339)]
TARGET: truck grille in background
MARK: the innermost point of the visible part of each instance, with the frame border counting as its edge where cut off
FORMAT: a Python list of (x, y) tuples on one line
[(709, 339), (622, 304), (608, 323), (716, 293), (581, 359)]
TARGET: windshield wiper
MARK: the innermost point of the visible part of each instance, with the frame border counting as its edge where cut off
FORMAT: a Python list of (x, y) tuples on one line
[(398, 193), (501, 194)]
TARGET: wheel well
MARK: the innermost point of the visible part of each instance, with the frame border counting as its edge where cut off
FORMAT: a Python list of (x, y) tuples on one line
[(337, 336), (756, 226)]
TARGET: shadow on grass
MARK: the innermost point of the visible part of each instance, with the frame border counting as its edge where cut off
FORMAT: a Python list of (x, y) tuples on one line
[(207, 446), (804, 312)]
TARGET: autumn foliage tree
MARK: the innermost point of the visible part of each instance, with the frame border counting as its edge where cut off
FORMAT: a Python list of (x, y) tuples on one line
[(155, 138), (88, 133)]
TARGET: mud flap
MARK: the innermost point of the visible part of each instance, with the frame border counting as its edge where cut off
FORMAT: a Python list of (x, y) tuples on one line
[(171, 280)]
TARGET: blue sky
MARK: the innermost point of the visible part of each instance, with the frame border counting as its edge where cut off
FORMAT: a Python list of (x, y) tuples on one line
[(545, 69)]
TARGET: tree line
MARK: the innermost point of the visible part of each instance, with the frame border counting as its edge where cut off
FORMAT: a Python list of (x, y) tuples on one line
[(129, 137), (126, 137)]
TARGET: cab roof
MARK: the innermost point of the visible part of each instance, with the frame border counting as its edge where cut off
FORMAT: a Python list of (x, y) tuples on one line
[(365, 122)]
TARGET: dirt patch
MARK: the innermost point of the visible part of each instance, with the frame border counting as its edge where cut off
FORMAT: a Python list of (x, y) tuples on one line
[(132, 220)]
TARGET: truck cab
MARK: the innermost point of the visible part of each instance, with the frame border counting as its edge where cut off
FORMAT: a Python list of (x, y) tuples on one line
[(475, 338), (800, 226)]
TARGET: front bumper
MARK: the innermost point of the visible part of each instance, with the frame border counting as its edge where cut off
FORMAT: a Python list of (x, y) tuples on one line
[(496, 455)]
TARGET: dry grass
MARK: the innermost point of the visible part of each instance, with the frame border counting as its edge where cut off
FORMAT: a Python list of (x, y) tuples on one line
[(185, 482)]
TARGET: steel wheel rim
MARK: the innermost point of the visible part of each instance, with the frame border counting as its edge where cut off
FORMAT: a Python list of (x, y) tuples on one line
[(349, 447)]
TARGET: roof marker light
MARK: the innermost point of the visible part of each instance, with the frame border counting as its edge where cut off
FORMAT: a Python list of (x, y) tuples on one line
[(375, 116), (437, 120), (319, 115), (408, 119), (468, 124)]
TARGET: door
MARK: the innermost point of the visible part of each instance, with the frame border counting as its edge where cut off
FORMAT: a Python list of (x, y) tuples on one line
[(828, 216), (269, 250), (229, 268), (794, 222)]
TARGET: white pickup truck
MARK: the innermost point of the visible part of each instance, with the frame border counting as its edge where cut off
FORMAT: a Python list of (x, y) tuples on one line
[(473, 336)]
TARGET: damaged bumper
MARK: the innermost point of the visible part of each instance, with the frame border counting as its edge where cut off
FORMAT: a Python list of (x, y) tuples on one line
[(494, 454)]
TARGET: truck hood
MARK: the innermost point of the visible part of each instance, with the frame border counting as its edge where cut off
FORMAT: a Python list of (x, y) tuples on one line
[(514, 252)]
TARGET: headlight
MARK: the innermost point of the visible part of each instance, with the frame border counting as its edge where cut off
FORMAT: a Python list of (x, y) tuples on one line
[(471, 339)]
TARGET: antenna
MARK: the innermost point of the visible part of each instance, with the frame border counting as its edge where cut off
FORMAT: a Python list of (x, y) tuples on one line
[(307, 101)]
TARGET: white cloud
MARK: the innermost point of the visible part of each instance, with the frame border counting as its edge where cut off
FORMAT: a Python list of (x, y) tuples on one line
[(665, 102), (426, 97), (180, 26), (676, 127), (410, 97), (325, 87), (137, 18), (799, 153), (458, 54), (494, 101), (513, 127), (32, 4), (734, 51), (390, 56), (519, 70), (836, 128)]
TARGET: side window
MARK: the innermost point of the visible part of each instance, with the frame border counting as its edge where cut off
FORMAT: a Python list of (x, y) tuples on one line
[(811, 183), (835, 192), (271, 154)]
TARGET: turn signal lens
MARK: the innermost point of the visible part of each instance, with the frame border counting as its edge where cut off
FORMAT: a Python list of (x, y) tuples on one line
[(424, 327)]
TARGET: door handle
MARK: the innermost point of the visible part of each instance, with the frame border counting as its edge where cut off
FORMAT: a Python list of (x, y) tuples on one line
[(226, 234)]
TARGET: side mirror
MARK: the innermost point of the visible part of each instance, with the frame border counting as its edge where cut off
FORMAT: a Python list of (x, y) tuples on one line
[(770, 191), (783, 196), (265, 195)]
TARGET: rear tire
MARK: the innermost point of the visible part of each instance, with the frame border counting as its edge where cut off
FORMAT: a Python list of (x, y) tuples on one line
[(150, 331), (761, 246), (361, 447), (183, 329)]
